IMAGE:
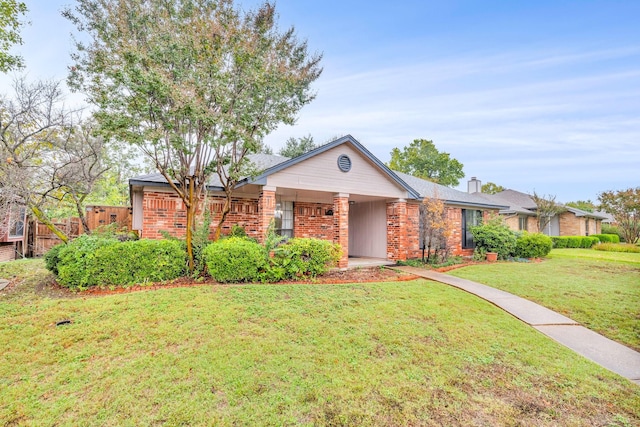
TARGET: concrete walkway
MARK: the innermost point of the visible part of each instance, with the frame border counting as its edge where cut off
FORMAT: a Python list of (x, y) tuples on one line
[(605, 352)]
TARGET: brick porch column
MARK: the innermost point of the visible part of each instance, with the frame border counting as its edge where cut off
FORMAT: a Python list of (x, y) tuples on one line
[(397, 243), (341, 226), (266, 210)]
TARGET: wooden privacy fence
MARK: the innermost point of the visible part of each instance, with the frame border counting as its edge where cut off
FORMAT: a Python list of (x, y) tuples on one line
[(40, 239)]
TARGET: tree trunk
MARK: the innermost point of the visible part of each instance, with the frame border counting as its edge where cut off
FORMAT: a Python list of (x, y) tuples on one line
[(82, 214), (192, 207), (51, 226), (225, 211)]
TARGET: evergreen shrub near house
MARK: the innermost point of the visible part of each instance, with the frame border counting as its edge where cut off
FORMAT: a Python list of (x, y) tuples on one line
[(585, 242), (236, 259), (607, 238), (304, 257), (612, 229), (494, 236), (106, 261), (533, 245), (52, 258)]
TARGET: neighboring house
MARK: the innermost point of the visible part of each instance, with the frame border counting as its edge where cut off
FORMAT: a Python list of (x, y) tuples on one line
[(339, 192), (521, 215), (12, 233)]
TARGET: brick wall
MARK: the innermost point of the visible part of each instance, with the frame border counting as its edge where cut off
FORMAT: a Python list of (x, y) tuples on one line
[(311, 220), (413, 231), (571, 225), (397, 230), (7, 251), (341, 227)]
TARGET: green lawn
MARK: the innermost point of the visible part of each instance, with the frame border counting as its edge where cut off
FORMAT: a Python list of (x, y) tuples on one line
[(601, 290), (385, 354)]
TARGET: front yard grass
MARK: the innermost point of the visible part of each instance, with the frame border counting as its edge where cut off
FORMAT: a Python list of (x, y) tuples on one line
[(384, 354), (601, 290)]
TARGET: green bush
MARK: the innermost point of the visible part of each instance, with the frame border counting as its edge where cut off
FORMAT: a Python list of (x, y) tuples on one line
[(494, 237), (559, 242), (304, 257), (140, 261), (52, 258), (103, 261), (236, 259), (78, 258), (584, 242), (533, 245), (617, 247), (612, 229), (607, 238)]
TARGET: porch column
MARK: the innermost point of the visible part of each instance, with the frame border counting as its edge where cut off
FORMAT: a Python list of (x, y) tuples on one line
[(397, 230), (341, 226), (266, 210)]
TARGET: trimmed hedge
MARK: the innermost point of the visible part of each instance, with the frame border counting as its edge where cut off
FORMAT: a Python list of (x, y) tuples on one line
[(98, 261), (533, 245), (236, 259), (304, 257), (585, 242), (607, 238)]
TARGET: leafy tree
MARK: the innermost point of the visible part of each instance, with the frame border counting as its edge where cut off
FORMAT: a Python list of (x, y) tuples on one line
[(546, 208), (583, 205), (435, 228), (10, 11), (491, 188), (624, 205), (196, 84), (295, 147), (50, 158), (423, 160)]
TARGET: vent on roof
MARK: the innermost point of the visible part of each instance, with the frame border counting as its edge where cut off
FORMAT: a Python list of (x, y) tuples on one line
[(344, 163)]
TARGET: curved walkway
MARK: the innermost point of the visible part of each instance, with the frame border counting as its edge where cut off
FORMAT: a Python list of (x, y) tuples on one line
[(605, 352)]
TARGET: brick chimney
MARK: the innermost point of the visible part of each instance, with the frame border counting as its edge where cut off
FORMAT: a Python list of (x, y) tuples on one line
[(474, 185)]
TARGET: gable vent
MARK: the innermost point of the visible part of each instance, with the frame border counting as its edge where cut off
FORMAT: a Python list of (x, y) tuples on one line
[(344, 163)]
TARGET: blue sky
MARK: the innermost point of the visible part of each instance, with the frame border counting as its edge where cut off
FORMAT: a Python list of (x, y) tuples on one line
[(536, 96)]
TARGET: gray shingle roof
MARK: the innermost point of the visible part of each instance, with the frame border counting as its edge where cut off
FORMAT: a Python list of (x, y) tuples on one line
[(417, 188)]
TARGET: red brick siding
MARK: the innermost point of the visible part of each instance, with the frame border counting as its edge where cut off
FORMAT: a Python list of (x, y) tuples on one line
[(413, 231), (341, 228), (7, 251), (311, 220), (265, 210), (397, 230)]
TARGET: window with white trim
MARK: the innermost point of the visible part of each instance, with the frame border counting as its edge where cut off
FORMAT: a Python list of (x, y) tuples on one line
[(284, 218)]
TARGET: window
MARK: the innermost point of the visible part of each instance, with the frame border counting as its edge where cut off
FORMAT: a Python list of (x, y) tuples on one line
[(16, 224), (113, 218), (284, 218), (470, 218), (522, 223)]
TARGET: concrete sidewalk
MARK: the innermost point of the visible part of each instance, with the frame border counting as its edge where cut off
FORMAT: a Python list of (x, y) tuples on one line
[(605, 352)]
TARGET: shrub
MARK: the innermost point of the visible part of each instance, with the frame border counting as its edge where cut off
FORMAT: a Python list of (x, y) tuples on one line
[(494, 237), (77, 258), (617, 247), (303, 257), (559, 242), (98, 261), (140, 261), (607, 238), (533, 245), (52, 258), (236, 259), (585, 242), (612, 229)]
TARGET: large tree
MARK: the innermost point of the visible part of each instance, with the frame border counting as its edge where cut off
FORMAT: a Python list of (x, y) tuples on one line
[(49, 157), (295, 147), (196, 84), (584, 205), (422, 159), (10, 23), (492, 188), (624, 205)]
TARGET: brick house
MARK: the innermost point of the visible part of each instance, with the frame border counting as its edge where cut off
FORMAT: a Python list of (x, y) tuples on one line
[(12, 232), (339, 192), (521, 214)]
